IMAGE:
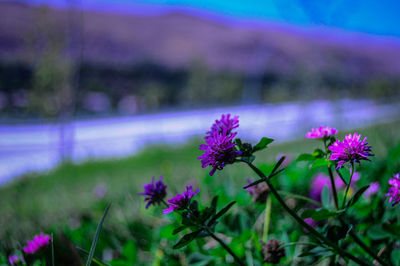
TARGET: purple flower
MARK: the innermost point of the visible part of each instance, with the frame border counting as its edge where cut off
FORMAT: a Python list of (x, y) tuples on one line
[(321, 132), (394, 190), (226, 122), (181, 201), (317, 185), (154, 192), (351, 149), (38, 242), (373, 188), (219, 150), (14, 259)]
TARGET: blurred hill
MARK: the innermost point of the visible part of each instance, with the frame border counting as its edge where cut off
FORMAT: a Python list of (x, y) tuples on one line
[(56, 61), (176, 39)]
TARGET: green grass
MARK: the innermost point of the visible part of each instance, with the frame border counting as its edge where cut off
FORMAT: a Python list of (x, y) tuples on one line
[(39, 201)]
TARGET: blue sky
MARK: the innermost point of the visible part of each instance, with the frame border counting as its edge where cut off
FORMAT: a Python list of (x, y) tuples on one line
[(378, 17)]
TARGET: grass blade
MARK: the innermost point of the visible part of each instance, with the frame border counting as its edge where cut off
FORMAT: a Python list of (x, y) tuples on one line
[(96, 237)]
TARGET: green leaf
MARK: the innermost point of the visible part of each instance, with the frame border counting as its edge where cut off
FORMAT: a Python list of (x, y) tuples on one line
[(320, 214), (179, 229), (129, 251), (321, 162), (262, 144), (221, 212), (214, 202), (97, 235), (186, 239), (325, 196), (305, 157), (278, 164), (318, 153), (357, 196)]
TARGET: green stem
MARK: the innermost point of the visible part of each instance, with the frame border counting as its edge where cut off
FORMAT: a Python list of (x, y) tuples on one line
[(310, 229), (267, 218), (348, 186), (334, 191), (225, 246)]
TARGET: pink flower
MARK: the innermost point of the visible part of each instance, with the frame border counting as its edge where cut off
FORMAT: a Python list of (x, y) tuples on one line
[(351, 149), (394, 190), (321, 132), (181, 201), (38, 242), (373, 188), (14, 259)]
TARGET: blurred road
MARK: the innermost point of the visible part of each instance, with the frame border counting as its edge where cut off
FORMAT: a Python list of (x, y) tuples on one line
[(25, 148)]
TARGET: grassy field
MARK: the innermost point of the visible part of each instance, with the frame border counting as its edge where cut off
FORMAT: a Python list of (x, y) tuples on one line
[(57, 199)]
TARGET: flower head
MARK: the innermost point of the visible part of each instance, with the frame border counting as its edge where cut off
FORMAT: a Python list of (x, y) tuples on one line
[(226, 122), (273, 251), (321, 132), (14, 259), (154, 192), (373, 188), (394, 190), (259, 192), (181, 201), (351, 149), (219, 150), (38, 242)]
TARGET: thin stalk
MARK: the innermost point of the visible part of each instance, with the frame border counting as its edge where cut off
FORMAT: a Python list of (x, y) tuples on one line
[(310, 229), (348, 185), (334, 191), (267, 218), (225, 246)]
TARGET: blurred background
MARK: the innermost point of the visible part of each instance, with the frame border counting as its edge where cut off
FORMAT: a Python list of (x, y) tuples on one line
[(97, 96), (103, 78)]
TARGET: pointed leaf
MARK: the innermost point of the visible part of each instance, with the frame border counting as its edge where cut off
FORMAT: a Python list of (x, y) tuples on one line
[(97, 235), (278, 164), (262, 144), (357, 196), (254, 183), (179, 229), (325, 196), (221, 212), (186, 239)]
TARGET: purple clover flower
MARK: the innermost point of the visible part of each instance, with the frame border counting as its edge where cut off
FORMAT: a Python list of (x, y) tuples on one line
[(373, 188), (321, 132), (181, 201), (219, 150), (154, 192), (226, 122), (394, 190), (317, 185), (14, 259), (351, 149), (38, 242)]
